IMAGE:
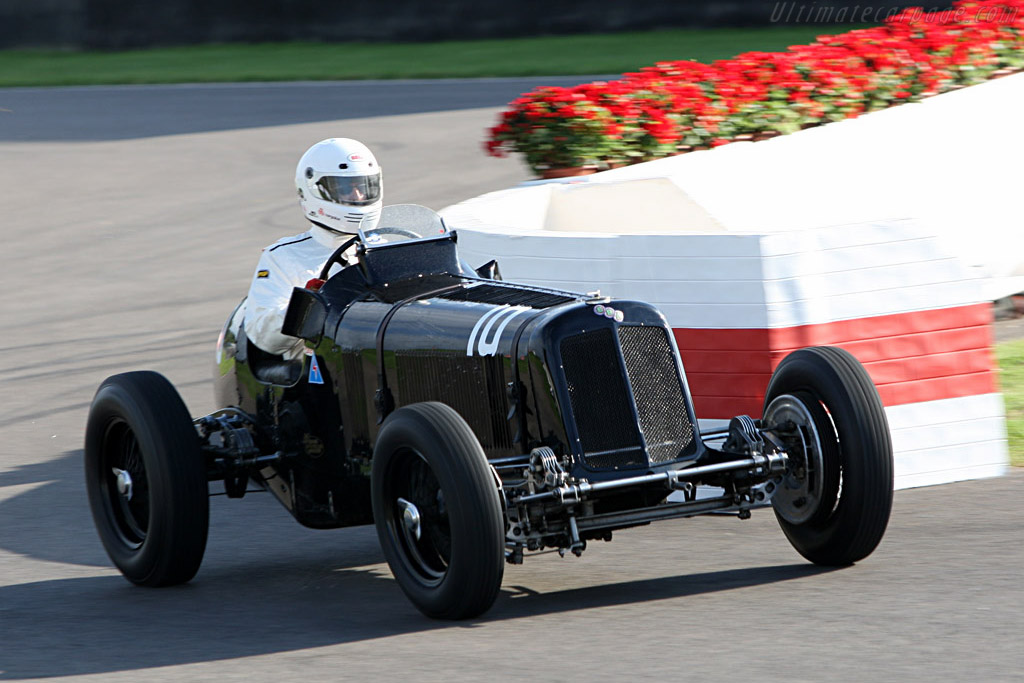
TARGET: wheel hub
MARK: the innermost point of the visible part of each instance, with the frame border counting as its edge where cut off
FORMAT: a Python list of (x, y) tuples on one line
[(800, 490), (411, 518), (124, 483)]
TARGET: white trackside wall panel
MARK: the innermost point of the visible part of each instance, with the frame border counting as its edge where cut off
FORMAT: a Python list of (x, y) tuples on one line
[(823, 275), (804, 277), (935, 442), (706, 280), (804, 280), (938, 442), (894, 163), (881, 290), (752, 250)]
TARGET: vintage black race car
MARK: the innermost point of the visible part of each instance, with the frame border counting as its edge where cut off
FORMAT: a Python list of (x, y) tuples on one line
[(475, 421)]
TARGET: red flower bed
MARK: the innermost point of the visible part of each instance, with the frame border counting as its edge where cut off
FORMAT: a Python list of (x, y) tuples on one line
[(675, 107)]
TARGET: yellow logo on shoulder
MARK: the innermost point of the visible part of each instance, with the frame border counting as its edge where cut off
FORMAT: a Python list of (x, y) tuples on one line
[(263, 273)]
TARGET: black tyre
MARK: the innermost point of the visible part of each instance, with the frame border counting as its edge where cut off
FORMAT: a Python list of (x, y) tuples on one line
[(438, 512), (834, 503), (146, 479)]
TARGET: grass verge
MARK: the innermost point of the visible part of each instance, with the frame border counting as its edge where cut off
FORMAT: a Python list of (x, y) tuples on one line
[(546, 56), (1011, 380)]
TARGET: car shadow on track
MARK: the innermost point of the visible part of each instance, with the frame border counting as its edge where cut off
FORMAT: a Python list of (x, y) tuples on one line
[(267, 585), (46, 512), (103, 624)]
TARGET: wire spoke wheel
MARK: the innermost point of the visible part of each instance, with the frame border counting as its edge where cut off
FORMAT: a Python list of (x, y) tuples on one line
[(124, 484), (419, 517), (146, 479), (437, 511)]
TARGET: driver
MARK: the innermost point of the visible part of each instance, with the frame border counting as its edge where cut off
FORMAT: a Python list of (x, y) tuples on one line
[(339, 186)]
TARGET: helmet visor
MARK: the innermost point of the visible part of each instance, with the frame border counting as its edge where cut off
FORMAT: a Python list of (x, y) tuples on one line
[(352, 190)]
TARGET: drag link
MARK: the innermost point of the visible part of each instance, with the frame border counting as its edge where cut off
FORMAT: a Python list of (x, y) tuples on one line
[(676, 480)]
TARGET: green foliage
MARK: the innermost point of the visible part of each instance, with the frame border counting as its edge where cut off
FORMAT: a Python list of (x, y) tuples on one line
[(544, 56), (1011, 379)]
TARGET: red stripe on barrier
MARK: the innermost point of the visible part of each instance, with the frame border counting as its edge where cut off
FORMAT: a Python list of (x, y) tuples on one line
[(897, 324), (728, 361), (724, 383), (911, 357), (913, 344), (724, 407), (715, 340)]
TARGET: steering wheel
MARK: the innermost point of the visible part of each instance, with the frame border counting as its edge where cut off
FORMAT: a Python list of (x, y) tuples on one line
[(337, 255)]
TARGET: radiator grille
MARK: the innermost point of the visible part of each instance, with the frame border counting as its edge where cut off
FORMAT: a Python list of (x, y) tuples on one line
[(600, 400), (473, 385), (658, 392), (355, 394)]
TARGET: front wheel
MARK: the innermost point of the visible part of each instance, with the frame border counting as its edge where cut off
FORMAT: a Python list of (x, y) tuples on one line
[(437, 511), (835, 499), (146, 479)]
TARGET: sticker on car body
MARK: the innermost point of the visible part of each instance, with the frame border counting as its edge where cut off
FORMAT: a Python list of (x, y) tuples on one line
[(315, 376), (481, 339)]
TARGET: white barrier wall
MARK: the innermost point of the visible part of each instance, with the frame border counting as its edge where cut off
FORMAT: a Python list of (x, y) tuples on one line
[(887, 235), (887, 292), (948, 161)]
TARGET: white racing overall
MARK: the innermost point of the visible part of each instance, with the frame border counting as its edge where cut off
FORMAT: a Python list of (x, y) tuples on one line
[(290, 262)]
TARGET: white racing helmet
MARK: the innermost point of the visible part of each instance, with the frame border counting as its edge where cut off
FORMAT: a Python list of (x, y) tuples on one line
[(339, 185)]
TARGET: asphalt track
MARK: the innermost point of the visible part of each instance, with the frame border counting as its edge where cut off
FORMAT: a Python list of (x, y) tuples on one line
[(84, 113), (131, 221)]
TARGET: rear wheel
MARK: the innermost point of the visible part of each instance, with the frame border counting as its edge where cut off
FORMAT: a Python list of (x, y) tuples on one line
[(146, 479), (835, 500), (437, 512)]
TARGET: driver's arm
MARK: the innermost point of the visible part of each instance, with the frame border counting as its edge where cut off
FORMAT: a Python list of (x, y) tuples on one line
[(269, 294)]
